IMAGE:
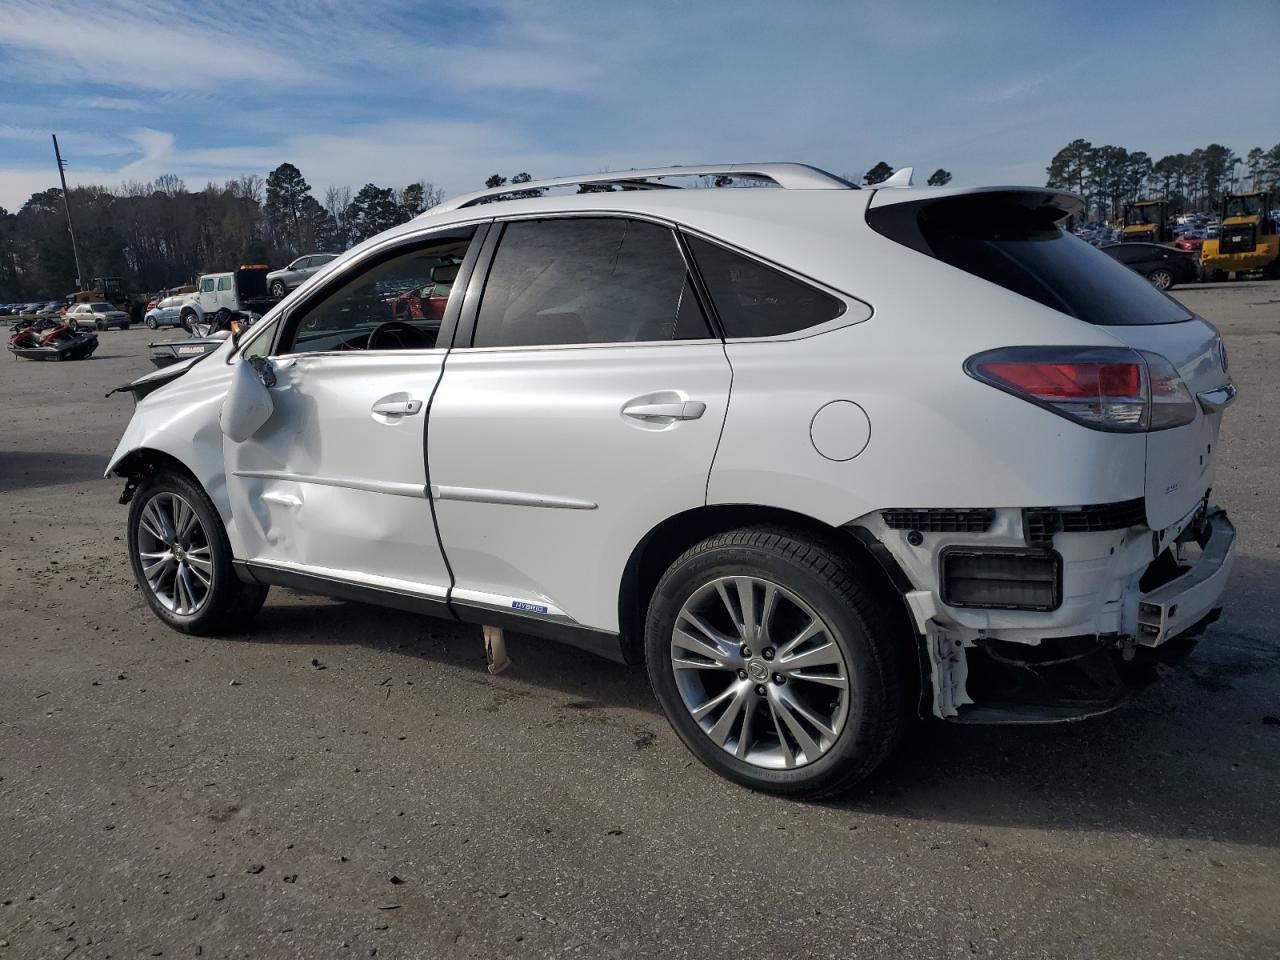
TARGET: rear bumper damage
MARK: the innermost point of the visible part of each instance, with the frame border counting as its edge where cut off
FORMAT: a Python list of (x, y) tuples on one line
[(1126, 604)]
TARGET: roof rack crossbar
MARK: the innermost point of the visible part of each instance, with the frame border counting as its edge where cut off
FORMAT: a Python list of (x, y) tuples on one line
[(789, 176)]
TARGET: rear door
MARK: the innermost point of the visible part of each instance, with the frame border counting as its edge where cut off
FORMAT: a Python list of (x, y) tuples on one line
[(579, 409)]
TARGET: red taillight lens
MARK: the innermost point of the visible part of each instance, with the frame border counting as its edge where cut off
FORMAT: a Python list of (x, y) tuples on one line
[(1105, 388), (1070, 381)]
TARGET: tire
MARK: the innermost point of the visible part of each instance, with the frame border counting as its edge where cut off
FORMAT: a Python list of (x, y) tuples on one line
[(187, 322), (151, 323), (809, 579), (99, 325), (277, 289), (1161, 278), (125, 325), (73, 325), (224, 604)]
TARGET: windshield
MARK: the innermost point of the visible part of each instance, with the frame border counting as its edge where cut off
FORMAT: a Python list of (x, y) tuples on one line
[(1140, 216), (1242, 206)]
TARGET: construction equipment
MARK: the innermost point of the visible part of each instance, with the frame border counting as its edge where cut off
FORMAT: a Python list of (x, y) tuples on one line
[(1147, 221), (1247, 241), (112, 290)]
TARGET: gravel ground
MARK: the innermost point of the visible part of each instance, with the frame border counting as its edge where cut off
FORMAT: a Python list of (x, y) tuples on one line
[(349, 782)]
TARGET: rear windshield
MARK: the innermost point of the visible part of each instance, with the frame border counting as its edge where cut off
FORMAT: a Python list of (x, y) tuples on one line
[(1011, 241)]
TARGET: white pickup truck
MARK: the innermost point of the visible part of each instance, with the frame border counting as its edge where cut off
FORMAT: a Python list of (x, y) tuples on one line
[(219, 295)]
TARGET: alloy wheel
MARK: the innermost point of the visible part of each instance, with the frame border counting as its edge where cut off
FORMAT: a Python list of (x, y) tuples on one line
[(174, 553), (761, 673)]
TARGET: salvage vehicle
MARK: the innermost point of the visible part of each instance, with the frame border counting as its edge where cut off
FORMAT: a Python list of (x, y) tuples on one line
[(280, 282), (166, 312), (50, 340), (114, 292), (1164, 267), (644, 425), (100, 316), (220, 295)]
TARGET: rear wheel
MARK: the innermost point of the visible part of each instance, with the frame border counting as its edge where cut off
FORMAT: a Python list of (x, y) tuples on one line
[(778, 665), (277, 289), (181, 558), (1161, 278)]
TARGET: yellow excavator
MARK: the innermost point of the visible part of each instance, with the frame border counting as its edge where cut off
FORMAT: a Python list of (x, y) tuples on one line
[(1247, 240), (1147, 221)]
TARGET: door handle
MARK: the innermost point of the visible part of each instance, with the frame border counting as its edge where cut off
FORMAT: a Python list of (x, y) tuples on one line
[(397, 408), (680, 410)]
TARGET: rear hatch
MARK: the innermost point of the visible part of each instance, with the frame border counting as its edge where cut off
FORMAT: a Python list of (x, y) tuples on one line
[(1011, 237)]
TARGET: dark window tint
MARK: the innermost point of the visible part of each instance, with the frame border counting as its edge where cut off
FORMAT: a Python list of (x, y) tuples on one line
[(1012, 241), (590, 280), (396, 302), (753, 300)]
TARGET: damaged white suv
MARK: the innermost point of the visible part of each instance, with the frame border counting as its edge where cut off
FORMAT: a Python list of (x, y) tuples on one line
[(825, 458)]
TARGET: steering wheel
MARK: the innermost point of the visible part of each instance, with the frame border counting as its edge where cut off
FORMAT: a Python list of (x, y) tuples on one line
[(400, 335)]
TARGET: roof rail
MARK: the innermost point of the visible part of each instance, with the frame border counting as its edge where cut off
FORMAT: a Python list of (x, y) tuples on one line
[(789, 176)]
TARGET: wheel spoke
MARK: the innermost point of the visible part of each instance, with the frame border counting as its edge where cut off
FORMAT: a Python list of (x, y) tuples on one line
[(788, 755), (811, 630), (734, 617), (682, 663), (746, 589), (744, 735), (806, 743), (201, 577), (794, 705), (826, 655), (827, 679), (729, 719), (687, 641), (717, 700), (721, 641)]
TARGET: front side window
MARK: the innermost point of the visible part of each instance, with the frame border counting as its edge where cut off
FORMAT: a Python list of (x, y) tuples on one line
[(587, 280), (753, 300), (206, 285), (395, 302)]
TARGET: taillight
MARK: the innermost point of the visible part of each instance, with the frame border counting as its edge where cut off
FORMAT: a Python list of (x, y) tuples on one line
[(1106, 388)]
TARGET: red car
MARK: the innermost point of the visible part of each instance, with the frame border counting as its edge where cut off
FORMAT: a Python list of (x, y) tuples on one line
[(1189, 242), (427, 303)]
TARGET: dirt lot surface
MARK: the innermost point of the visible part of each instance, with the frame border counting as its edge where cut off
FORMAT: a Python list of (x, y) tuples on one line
[(349, 782)]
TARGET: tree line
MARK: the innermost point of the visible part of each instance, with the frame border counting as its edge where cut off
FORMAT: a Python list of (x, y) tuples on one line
[(160, 234), (1108, 177)]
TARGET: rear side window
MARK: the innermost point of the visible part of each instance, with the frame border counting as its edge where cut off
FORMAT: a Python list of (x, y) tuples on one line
[(587, 280), (1015, 242), (753, 300)]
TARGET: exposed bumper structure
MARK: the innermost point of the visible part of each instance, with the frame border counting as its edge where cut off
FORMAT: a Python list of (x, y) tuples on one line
[(1180, 604)]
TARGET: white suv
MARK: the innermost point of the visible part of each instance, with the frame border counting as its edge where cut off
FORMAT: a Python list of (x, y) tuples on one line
[(825, 458)]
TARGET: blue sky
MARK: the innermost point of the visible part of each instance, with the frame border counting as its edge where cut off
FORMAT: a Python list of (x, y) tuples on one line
[(391, 92)]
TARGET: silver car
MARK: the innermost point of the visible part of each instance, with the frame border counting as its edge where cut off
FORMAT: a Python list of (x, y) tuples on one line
[(280, 282), (100, 316)]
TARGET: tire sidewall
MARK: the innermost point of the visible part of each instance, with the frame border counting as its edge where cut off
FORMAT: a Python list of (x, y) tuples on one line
[(866, 699), (224, 578)]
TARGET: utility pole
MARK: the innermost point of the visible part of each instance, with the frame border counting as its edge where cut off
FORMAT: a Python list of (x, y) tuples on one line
[(66, 203)]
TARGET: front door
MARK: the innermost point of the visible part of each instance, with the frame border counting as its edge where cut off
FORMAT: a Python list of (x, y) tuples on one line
[(584, 411), (334, 484)]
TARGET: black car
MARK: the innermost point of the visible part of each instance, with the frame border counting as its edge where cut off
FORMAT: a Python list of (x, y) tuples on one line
[(1163, 266)]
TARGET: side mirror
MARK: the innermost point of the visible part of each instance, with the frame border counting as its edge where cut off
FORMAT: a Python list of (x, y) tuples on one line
[(248, 405)]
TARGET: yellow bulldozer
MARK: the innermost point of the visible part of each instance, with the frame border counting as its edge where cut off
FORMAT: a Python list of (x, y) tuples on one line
[(1247, 241), (1147, 221)]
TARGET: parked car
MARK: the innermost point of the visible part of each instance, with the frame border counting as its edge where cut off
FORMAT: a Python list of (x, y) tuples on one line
[(1164, 267), (289, 278), (650, 434), (1190, 241), (219, 296), (166, 312), (100, 316)]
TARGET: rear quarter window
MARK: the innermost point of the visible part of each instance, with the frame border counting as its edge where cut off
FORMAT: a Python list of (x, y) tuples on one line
[(1014, 241)]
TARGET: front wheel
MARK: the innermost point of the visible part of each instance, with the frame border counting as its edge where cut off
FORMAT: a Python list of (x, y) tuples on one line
[(151, 323), (778, 663), (73, 325), (181, 558), (1161, 278), (277, 289)]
